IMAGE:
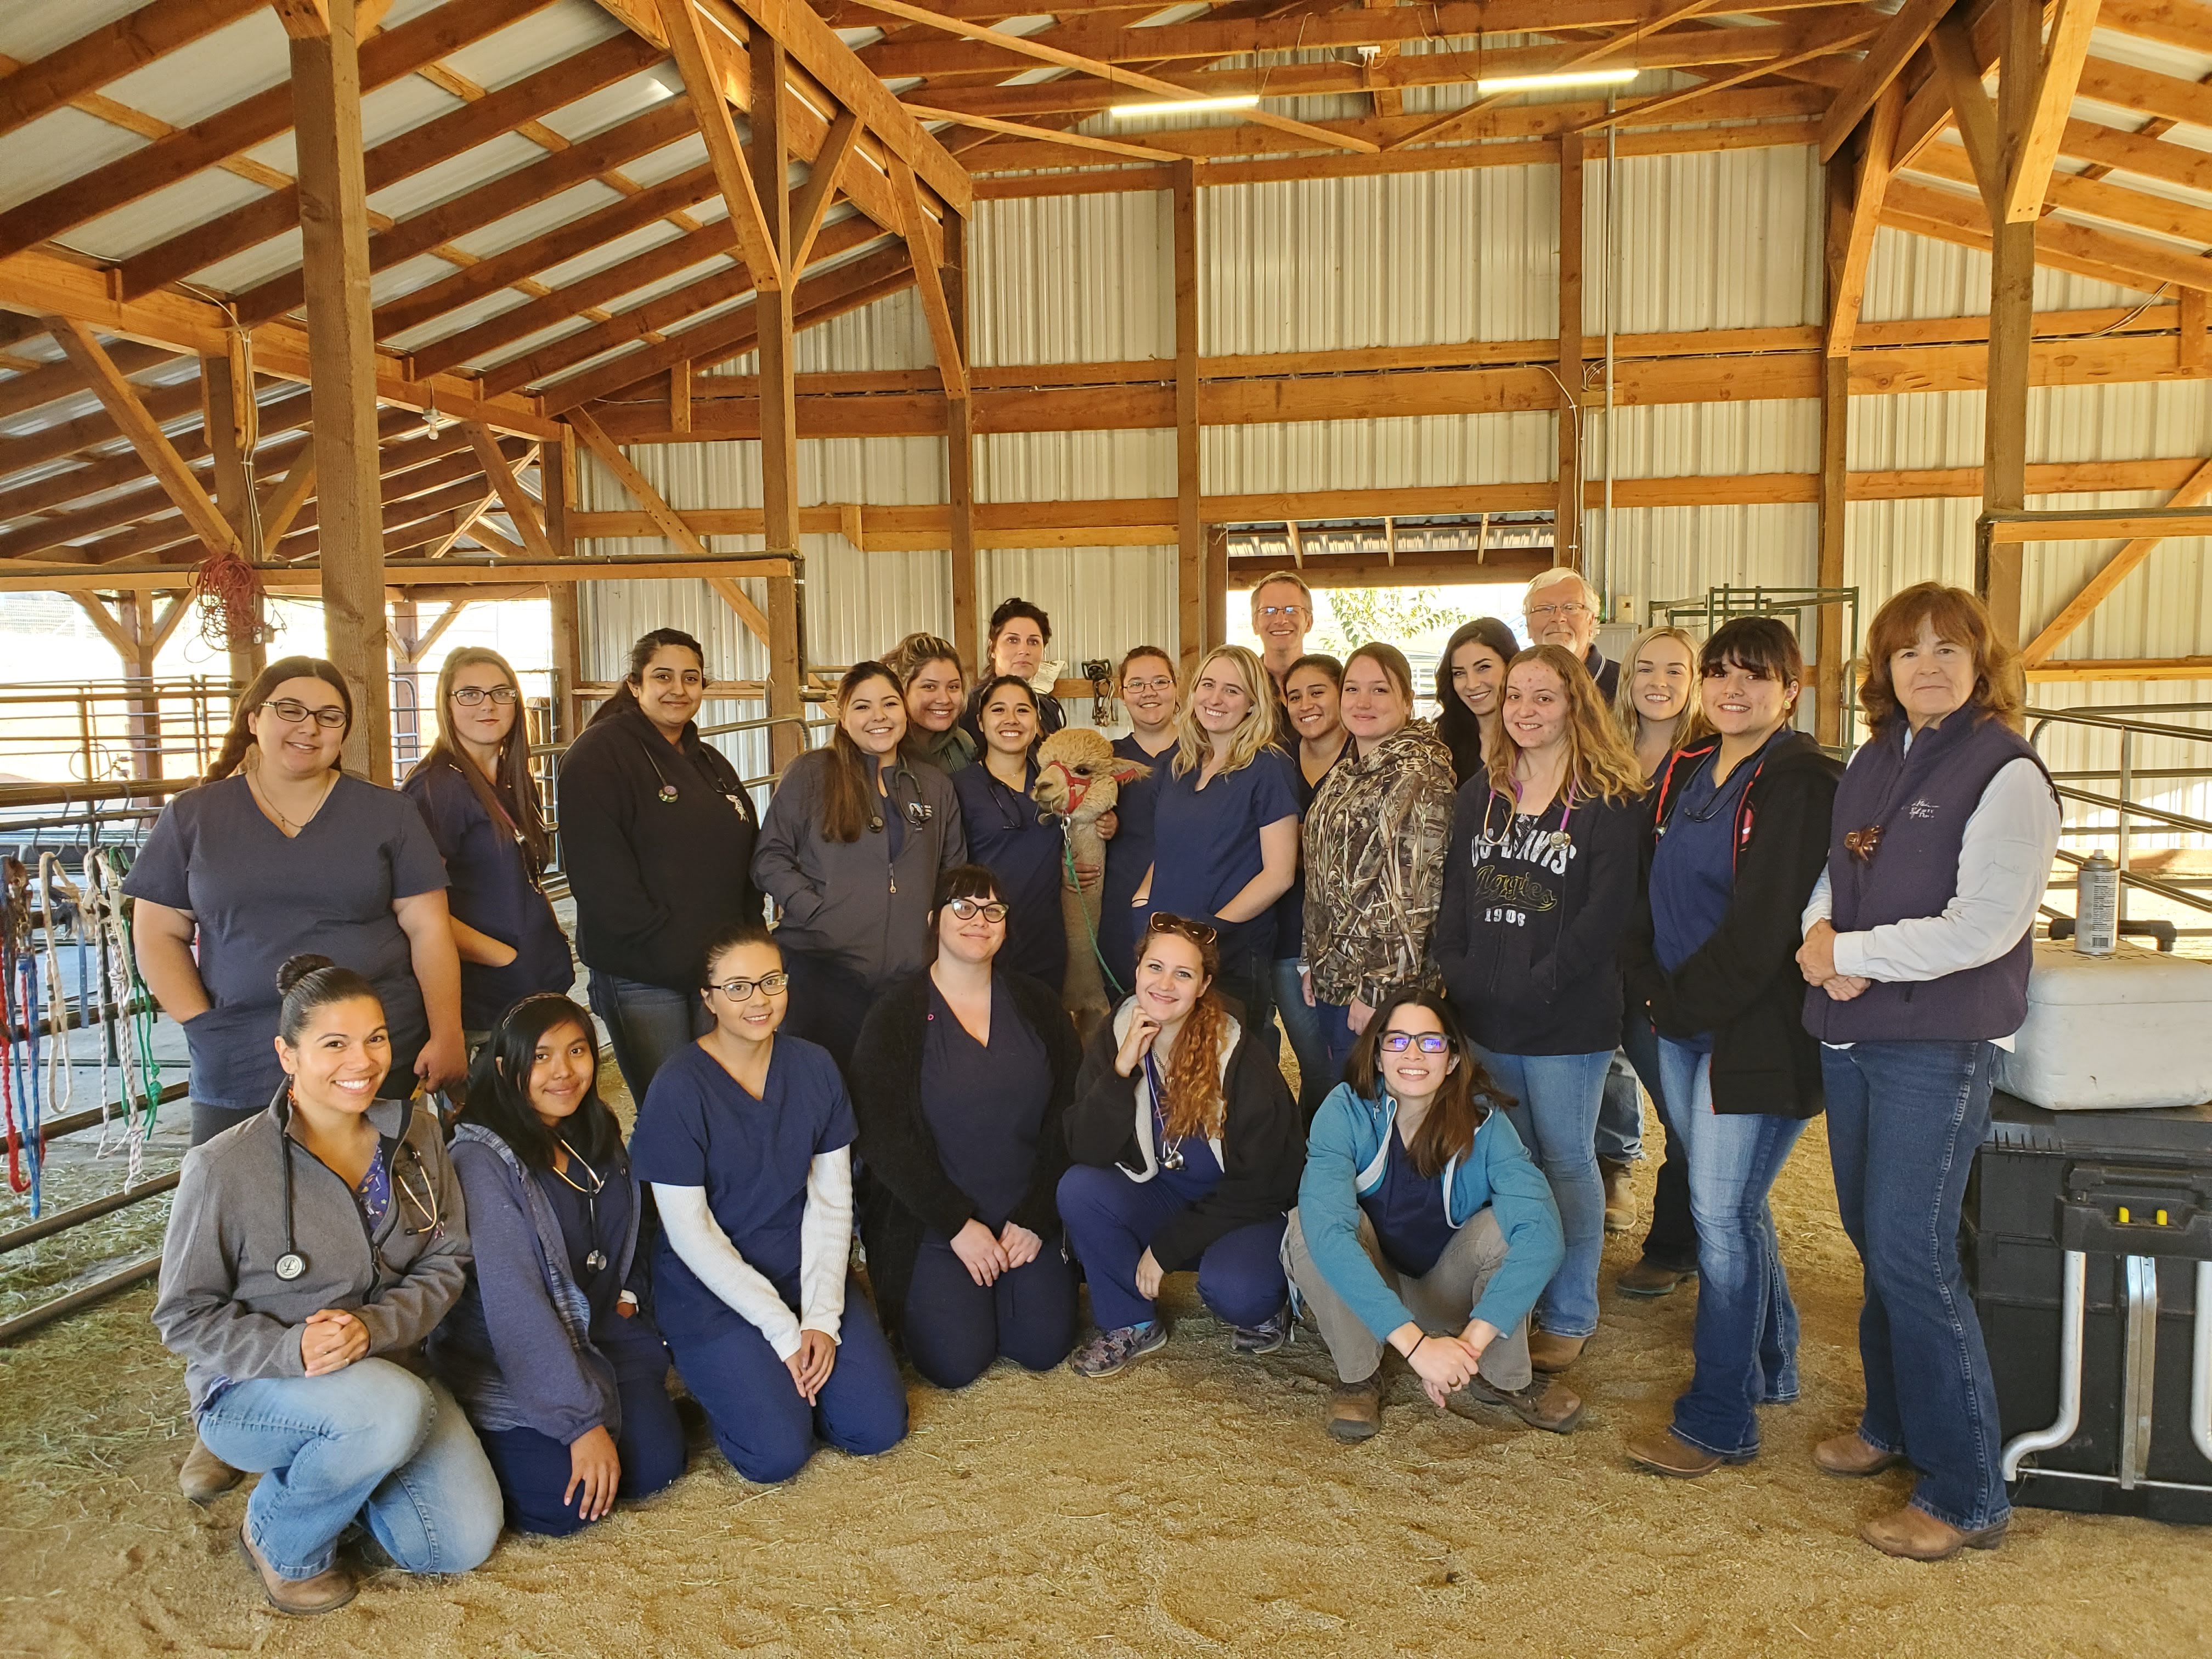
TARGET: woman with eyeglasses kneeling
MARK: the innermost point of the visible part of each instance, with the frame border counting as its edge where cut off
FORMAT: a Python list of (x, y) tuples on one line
[(1917, 950), (850, 851), (746, 1139), (1186, 1148), (961, 1080), (310, 1250), (552, 1349), (1741, 822), (1424, 1225)]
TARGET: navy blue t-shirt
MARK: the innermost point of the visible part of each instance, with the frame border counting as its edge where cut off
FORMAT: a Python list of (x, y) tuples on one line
[(1006, 838), (1128, 855), (1208, 844), (258, 895), (1694, 868), (699, 1128), (986, 1106), (1407, 1213), (493, 891)]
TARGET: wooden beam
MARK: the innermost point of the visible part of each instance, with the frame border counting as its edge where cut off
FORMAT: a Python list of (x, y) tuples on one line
[(1107, 72), (287, 496), (775, 320), (229, 423), (1045, 135), (1847, 280), (305, 19), (467, 523), (1567, 522), (95, 607), (1879, 70), (727, 157), (521, 507), (809, 207), (959, 470), (2139, 668), (754, 618), (108, 53), (556, 473), (929, 283), (2112, 256), (2012, 321), (326, 85), (1190, 530), (2192, 353), (1841, 242), (2029, 153), (2111, 574), (121, 400)]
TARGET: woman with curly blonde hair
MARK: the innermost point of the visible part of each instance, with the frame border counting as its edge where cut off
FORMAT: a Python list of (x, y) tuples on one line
[(1539, 883), (1186, 1149), (1228, 809)]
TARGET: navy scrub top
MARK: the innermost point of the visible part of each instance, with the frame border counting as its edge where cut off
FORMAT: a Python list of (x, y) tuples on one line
[(1006, 836), (258, 896), (1693, 869), (1407, 1213), (699, 1128), (986, 1106), (1215, 836), (591, 1223), (493, 891), (1128, 855)]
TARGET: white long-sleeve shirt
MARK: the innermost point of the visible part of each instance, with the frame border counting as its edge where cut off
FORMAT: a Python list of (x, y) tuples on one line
[(825, 1245)]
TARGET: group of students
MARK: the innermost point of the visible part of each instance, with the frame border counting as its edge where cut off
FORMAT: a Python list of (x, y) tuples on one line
[(1467, 930)]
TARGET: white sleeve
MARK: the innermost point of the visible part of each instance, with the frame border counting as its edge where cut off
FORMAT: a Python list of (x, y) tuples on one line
[(825, 1243), (1819, 906), (705, 1249), (2004, 865)]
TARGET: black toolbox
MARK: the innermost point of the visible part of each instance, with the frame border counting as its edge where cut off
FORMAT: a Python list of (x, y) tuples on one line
[(2120, 1203)]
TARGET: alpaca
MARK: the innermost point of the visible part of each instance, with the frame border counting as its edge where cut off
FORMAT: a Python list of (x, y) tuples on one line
[(1079, 777)]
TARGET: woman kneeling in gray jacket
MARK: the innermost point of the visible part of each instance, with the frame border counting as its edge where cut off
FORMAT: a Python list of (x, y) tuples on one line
[(312, 1249), (553, 1349)]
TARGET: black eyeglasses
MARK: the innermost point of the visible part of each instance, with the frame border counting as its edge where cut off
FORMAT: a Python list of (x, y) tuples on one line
[(741, 990), (469, 697), (1292, 610), (1431, 1042), (292, 709), (968, 909), (1196, 931)]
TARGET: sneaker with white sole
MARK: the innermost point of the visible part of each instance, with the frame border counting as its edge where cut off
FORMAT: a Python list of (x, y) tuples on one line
[(1110, 1352), (1268, 1337)]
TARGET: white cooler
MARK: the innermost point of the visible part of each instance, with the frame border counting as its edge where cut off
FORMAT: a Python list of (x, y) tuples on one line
[(2130, 1031)]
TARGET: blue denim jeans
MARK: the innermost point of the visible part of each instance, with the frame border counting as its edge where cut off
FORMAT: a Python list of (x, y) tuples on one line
[(1556, 1117), (372, 1442), (646, 1024), (1744, 1341), (1318, 1071), (1672, 1243), (1903, 1121), (1619, 1137)]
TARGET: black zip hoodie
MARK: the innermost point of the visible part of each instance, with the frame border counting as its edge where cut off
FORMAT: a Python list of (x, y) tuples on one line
[(1744, 985), (1526, 937), (656, 843)]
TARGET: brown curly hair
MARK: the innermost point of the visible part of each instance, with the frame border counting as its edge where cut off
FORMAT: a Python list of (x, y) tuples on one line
[(1194, 1105), (1956, 616)]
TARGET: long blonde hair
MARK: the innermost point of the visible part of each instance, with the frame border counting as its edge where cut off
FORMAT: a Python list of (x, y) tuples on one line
[(1599, 766), (1690, 724), (1253, 733)]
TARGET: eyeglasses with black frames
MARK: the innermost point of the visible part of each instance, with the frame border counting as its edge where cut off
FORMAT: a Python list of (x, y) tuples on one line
[(768, 985), (1429, 1042), (968, 909), (294, 711), (472, 696)]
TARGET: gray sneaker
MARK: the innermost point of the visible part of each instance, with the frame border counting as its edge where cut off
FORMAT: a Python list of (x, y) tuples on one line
[(1110, 1352), (1267, 1338)]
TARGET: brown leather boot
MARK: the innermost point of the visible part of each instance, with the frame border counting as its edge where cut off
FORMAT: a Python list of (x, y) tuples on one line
[(1549, 1352), (1647, 1279), (1914, 1534), (1545, 1403), (1664, 1452), (1619, 1195), (325, 1592), (205, 1477), (1355, 1410), (1851, 1457)]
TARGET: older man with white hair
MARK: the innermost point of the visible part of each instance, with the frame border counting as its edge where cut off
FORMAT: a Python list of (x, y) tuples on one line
[(1561, 608)]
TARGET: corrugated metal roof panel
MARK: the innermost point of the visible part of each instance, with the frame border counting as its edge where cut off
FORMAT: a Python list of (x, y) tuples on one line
[(1728, 238), (212, 73), (1059, 279), (1436, 452), (47, 154)]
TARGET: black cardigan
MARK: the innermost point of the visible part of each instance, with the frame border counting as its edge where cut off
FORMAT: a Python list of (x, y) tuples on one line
[(1743, 984), (1263, 1145), (911, 1195)]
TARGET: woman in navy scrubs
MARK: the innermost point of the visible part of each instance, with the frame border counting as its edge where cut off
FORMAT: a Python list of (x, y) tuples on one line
[(551, 1350), (961, 1080), (1229, 807), (1150, 694), (746, 1140), (481, 803), (1007, 834)]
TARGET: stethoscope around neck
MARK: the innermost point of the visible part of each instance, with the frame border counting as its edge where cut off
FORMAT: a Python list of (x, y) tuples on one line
[(292, 1264)]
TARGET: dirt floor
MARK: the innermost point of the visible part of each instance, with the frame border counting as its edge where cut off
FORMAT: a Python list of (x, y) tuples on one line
[(1191, 1506)]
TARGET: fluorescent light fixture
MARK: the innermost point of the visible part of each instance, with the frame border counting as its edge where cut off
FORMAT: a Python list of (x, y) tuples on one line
[(1184, 106), (1613, 78)]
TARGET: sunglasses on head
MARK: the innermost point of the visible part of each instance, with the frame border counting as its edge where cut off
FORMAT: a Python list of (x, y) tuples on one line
[(1430, 1042), (1196, 931)]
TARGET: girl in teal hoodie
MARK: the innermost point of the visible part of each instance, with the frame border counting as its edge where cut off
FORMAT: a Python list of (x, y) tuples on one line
[(1424, 1225)]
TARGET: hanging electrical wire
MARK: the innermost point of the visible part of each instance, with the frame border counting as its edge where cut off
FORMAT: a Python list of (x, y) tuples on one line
[(227, 589)]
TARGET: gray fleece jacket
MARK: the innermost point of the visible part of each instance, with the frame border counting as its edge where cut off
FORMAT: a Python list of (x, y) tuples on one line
[(222, 1308)]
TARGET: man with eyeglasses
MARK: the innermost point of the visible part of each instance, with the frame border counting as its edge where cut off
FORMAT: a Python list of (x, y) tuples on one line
[(1560, 608), (1282, 616)]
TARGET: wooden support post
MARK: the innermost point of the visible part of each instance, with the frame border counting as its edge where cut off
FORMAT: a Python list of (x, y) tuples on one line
[(228, 415), (1217, 584), (2012, 322), (1190, 532), (556, 480), (1835, 451), (341, 362), (768, 155), (404, 644), (2192, 320), (679, 396), (960, 464), (1567, 524)]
